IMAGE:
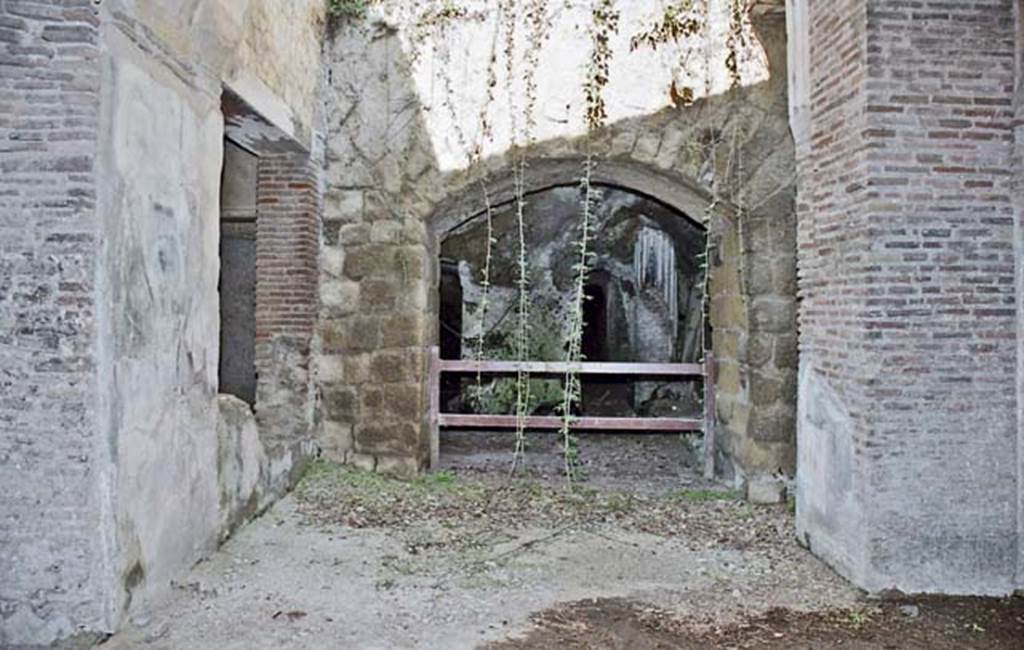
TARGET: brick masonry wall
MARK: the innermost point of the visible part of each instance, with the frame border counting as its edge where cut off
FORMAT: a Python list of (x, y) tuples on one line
[(1018, 194), (51, 548), (830, 37), (907, 275)]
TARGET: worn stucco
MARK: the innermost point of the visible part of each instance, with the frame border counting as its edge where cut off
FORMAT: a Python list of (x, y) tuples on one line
[(174, 467), (158, 278), (159, 283), (265, 50)]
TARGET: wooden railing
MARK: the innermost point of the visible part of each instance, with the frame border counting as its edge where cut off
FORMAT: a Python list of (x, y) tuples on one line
[(693, 371)]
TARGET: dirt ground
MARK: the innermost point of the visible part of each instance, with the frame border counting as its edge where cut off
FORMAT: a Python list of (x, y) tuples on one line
[(642, 554)]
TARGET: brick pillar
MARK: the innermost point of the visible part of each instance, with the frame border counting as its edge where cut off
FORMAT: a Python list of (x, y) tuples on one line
[(55, 565), (287, 241), (1018, 194), (907, 434)]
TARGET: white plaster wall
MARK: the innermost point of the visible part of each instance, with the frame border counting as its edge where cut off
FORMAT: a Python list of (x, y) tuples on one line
[(185, 468), (453, 60), (267, 51), (158, 279)]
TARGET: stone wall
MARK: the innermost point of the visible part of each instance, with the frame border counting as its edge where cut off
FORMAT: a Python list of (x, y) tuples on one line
[(54, 568), (387, 205), (125, 465), (908, 417)]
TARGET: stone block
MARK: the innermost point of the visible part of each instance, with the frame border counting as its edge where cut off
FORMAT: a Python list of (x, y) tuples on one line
[(339, 297), (646, 147), (363, 334), (330, 368), (759, 350), (673, 138), (391, 438), (403, 467), (411, 262), (378, 295), (372, 399), (413, 231), (365, 462), (404, 330), (368, 260), (332, 336), (339, 403), (784, 279), (786, 351), (775, 315), (356, 368), (385, 232), (727, 345), (730, 380), (403, 400), (758, 276), (771, 391), (394, 367), (354, 234), (332, 261), (773, 425), (766, 490), (336, 440), (343, 204)]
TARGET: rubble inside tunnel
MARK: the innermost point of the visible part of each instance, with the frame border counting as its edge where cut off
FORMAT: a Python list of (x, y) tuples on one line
[(644, 304)]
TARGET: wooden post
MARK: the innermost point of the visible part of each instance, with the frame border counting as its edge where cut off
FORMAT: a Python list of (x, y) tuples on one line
[(710, 419), (434, 400)]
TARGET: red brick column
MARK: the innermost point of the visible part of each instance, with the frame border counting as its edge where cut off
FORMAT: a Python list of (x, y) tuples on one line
[(287, 241)]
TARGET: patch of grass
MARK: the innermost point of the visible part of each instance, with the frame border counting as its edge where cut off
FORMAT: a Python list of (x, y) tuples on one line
[(857, 620), (437, 479), (332, 494), (347, 10), (703, 496)]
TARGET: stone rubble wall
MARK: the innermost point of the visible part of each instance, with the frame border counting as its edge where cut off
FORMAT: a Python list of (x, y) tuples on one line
[(387, 204)]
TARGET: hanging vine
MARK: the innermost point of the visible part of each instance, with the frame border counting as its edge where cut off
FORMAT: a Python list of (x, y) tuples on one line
[(604, 23), (536, 21)]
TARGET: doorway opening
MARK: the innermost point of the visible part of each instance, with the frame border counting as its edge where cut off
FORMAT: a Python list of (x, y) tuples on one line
[(643, 301), (236, 367)]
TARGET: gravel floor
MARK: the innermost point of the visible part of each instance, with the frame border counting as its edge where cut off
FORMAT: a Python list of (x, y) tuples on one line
[(466, 557)]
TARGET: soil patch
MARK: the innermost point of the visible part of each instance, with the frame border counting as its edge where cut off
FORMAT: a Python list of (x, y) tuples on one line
[(932, 623)]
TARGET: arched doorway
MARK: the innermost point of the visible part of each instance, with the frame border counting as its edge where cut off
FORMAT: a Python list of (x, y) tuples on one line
[(644, 299)]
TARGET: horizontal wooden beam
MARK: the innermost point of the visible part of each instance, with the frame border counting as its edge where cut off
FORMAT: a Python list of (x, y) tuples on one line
[(561, 367), (651, 425)]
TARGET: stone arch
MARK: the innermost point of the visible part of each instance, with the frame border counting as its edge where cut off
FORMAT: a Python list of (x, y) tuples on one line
[(387, 203), (466, 201), (681, 194)]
